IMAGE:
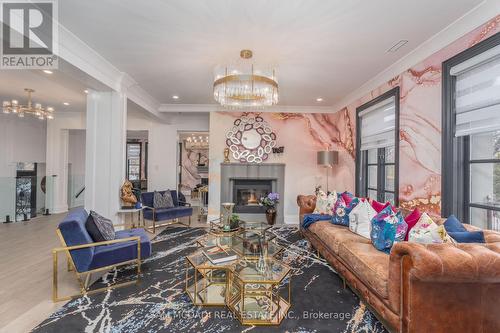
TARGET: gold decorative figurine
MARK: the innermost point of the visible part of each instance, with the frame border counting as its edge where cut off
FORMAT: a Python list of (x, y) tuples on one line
[(226, 155), (127, 195)]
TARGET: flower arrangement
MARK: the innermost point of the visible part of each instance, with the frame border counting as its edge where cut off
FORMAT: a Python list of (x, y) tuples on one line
[(270, 200)]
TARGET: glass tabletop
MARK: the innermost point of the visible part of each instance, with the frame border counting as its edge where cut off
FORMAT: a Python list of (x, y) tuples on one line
[(255, 226), (200, 260), (215, 240), (267, 270)]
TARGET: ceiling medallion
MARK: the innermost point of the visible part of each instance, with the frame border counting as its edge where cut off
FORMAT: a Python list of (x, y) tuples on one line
[(251, 139), (245, 85), (35, 109)]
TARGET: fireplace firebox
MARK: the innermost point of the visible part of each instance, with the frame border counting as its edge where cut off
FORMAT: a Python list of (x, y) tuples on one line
[(247, 192)]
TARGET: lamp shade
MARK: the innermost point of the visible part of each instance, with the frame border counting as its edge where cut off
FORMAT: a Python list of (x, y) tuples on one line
[(327, 157)]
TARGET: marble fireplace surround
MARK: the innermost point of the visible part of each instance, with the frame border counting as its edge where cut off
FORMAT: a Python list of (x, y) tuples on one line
[(269, 171)]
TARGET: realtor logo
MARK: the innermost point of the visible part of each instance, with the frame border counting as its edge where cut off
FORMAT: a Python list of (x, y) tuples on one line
[(29, 34)]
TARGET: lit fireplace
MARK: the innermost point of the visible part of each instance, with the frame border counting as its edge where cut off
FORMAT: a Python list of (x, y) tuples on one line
[(247, 192)]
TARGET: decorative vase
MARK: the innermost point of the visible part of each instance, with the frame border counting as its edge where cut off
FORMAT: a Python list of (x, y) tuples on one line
[(226, 214), (271, 216)]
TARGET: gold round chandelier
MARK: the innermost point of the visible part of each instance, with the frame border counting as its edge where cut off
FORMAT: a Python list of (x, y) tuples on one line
[(35, 109), (244, 85)]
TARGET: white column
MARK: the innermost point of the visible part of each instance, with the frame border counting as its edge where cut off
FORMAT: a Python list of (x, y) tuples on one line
[(57, 168), (105, 152)]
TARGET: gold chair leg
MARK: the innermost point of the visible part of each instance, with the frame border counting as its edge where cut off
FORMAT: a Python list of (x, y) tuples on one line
[(54, 276)]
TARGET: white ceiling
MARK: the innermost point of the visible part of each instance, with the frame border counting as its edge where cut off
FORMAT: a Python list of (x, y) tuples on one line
[(321, 48)]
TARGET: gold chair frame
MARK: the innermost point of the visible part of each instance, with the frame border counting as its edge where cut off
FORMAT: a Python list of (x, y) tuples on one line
[(84, 283), (152, 229)]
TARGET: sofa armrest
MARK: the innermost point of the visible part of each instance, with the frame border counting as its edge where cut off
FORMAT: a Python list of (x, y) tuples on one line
[(83, 246), (307, 204), (449, 263), (423, 278)]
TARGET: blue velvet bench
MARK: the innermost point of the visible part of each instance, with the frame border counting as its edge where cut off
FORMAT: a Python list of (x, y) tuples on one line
[(86, 256), (181, 209)]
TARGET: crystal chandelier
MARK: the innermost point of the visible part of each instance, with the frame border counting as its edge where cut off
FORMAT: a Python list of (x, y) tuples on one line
[(242, 85), (35, 109)]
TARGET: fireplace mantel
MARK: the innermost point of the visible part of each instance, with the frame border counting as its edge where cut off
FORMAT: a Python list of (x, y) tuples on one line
[(269, 171)]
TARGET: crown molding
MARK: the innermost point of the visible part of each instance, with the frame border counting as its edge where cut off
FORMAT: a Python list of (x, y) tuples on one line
[(77, 53), (166, 108), (474, 18)]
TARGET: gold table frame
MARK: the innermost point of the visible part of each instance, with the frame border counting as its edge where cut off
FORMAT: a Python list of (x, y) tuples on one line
[(241, 288)]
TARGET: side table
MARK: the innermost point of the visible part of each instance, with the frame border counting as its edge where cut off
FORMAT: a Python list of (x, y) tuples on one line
[(131, 212)]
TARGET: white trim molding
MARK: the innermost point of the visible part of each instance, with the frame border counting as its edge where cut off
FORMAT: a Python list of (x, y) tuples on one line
[(166, 108)]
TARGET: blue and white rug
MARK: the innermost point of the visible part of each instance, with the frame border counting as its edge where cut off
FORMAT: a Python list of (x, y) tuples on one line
[(159, 303)]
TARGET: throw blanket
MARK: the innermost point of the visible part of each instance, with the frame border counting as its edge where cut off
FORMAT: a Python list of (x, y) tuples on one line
[(312, 218)]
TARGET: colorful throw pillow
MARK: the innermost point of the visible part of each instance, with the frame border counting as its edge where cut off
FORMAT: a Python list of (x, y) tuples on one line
[(452, 224), (348, 197), (164, 200), (388, 227), (99, 228), (340, 214), (324, 202), (411, 220), (426, 231), (467, 236), (360, 218)]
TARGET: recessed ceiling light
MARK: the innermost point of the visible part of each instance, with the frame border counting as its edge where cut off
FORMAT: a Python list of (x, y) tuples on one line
[(46, 71), (66, 103), (175, 97), (319, 99), (86, 91)]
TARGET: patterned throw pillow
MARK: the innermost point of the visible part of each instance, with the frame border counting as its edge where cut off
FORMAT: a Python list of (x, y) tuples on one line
[(360, 218), (348, 197), (411, 220), (426, 231), (163, 201), (324, 202), (99, 228), (388, 227)]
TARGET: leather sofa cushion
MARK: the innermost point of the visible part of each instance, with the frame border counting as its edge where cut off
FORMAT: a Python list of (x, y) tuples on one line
[(370, 265), (334, 235)]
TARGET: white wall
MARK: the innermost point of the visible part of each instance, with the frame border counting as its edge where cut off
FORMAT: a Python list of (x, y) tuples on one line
[(21, 140), (76, 174)]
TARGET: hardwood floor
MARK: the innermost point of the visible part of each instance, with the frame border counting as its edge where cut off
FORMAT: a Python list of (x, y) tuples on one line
[(26, 272)]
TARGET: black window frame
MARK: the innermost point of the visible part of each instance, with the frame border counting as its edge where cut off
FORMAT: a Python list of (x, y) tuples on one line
[(361, 173), (455, 162)]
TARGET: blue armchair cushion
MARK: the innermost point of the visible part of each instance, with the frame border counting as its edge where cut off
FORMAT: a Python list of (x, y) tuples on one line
[(74, 233), (164, 214), (106, 255), (467, 236), (99, 228)]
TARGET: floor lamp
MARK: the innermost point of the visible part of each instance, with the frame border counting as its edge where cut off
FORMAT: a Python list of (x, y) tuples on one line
[(327, 158)]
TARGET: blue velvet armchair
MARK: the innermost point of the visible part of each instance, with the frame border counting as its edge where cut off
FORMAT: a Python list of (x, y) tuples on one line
[(181, 209), (86, 256)]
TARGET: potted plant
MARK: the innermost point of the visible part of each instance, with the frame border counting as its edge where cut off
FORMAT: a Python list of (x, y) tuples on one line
[(270, 201)]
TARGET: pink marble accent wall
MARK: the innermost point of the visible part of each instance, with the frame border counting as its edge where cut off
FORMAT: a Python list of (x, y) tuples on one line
[(420, 122), (190, 176)]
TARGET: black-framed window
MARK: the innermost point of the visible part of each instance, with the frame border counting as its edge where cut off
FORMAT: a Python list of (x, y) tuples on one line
[(377, 148), (471, 135)]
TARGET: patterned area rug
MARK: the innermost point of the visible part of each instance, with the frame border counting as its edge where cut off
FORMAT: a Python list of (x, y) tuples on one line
[(159, 304)]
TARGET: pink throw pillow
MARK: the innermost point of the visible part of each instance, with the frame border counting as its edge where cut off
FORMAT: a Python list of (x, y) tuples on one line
[(411, 220)]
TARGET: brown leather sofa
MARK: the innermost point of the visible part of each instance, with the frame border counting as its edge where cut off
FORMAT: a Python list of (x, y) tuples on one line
[(417, 288)]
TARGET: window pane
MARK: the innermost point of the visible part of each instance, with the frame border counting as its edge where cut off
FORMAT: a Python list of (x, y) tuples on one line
[(485, 219), (372, 194), (389, 154), (485, 183), (372, 176), (389, 177), (372, 156), (485, 145), (389, 197)]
